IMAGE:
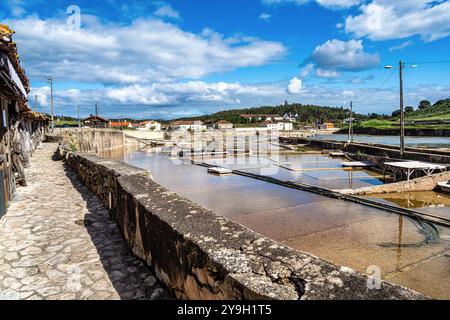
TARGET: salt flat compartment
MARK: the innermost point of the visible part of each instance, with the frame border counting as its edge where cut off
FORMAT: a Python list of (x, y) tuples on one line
[(342, 232), (318, 170)]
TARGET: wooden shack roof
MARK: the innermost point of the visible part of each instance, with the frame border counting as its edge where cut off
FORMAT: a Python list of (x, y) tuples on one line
[(35, 115), (97, 118), (9, 47)]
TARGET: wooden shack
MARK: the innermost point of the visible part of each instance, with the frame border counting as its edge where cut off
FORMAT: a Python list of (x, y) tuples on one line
[(94, 121), (21, 130)]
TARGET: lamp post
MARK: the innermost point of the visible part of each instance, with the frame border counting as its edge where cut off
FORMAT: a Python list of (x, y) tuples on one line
[(78, 119), (350, 128), (50, 81), (402, 109)]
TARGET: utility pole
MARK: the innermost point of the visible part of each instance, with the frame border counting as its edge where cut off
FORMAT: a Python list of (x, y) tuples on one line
[(402, 109), (78, 111), (350, 128), (50, 81), (402, 113)]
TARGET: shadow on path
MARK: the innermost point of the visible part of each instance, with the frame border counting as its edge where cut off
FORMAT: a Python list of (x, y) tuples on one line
[(130, 276)]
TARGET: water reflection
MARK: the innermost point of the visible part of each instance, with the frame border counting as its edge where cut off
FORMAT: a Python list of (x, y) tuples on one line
[(399, 247), (117, 153), (425, 201)]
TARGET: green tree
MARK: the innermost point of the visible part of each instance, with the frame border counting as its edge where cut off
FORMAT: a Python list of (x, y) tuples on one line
[(396, 114), (424, 104), (409, 109)]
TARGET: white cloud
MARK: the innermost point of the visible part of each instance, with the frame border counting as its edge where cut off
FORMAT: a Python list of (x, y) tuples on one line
[(264, 16), (402, 46), (42, 93), (146, 50), (17, 12), (359, 80), (275, 2), (176, 99), (338, 3), (295, 86), (386, 19), (337, 55), (329, 74), (332, 4), (167, 11), (306, 70)]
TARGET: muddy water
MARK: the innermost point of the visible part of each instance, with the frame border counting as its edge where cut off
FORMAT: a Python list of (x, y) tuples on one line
[(436, 203), (341, 232)]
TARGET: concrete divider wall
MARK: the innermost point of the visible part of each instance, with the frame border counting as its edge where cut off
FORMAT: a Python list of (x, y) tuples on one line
[(426, 183), (200, 255), (91, 140)]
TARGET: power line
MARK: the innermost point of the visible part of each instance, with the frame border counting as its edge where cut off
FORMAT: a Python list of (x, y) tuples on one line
[(376, 90), (430, 62)]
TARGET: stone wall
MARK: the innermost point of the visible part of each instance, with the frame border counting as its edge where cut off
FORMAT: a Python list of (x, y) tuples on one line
[(415, 154), (94, 141), (200, 255), (324, 144)]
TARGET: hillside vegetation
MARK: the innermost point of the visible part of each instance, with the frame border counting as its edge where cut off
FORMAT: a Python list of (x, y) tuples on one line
[(438, 111), (307, 114)]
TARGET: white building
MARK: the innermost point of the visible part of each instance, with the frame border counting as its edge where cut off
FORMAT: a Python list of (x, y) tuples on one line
[(184, 125), (223, 125), (278, 126), (287, 126), (150, 125), (290, 117), (262, 117)]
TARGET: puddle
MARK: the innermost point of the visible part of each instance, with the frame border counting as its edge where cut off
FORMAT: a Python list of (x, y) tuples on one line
[(432, 202)]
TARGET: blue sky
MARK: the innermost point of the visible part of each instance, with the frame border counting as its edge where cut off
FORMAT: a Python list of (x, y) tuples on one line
[(168, 59)]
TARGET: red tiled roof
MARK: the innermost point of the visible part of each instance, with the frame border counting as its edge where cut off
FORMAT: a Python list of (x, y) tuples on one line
[(120, 124)]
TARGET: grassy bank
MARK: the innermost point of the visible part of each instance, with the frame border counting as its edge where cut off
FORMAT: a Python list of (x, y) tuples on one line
[(387, 127)]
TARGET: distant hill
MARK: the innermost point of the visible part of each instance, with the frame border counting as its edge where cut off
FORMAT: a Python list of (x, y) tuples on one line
[(307, 114), (438, 111)]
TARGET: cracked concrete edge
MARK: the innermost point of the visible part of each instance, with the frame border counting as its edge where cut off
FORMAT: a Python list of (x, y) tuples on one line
[(201, 255)]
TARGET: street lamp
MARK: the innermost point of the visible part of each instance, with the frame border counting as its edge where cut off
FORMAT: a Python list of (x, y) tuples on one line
[(402, 111)]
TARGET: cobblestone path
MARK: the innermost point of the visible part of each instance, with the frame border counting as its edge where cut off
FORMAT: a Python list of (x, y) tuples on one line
[(58, 242)]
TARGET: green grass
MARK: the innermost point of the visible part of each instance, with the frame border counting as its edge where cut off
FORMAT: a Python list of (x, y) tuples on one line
[(379, 124), (445, 116), (65, 122), (387, 124)]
